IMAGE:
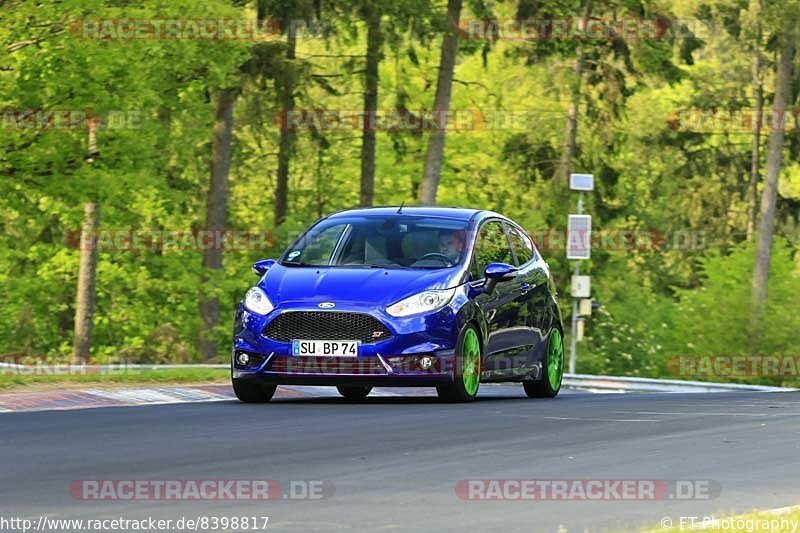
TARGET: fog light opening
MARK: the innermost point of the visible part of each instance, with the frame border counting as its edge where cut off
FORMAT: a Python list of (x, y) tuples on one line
[(242, 358)]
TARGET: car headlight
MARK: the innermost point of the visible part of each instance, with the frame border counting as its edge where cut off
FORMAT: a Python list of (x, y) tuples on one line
[(421, 302), (256, 301)]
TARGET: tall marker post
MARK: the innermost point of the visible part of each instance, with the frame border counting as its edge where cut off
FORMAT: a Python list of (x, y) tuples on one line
[(579, 247)]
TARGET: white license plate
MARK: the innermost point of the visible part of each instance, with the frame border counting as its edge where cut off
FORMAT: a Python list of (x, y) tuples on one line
[(325, 348)]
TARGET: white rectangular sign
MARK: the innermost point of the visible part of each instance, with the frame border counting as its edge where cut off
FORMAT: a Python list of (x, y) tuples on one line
[(579, 237), (581, 286), (581, 182)]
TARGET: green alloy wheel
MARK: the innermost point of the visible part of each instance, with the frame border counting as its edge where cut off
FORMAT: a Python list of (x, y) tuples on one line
[(467, 378), (553, 366)]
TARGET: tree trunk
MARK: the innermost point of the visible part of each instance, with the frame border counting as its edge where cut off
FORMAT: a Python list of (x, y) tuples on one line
[(441, 106), (87, 271), (752, 186), (217, 201), (769, 194), (371, 77), (92, 152), (571, 133), (287, 135)]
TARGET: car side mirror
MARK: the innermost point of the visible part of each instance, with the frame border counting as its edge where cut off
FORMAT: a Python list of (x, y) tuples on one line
[(497, 273), (261, 267)]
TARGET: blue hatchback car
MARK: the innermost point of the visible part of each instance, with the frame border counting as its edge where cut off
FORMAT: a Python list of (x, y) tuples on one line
[(401, 296)]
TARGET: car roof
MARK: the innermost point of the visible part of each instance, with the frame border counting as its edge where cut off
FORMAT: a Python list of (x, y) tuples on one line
[(458, 213)]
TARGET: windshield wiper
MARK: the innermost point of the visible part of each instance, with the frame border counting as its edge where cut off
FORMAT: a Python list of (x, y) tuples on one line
[(368, 265), (298, 263)]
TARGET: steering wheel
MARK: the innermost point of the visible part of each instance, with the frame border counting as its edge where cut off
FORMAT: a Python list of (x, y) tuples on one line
[(436, 255)]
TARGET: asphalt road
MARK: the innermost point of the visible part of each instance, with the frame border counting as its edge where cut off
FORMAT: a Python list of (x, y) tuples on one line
[(394, 463)]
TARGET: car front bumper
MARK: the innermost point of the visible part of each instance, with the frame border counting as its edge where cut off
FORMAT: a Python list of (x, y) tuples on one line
[(327, 371), (420, 352)]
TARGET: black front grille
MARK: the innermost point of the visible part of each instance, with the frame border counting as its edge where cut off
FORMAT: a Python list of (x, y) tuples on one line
[(298, 364), (326, 326)]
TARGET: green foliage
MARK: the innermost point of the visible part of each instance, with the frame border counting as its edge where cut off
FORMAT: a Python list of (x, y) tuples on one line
[(639, 333), (652, 177)]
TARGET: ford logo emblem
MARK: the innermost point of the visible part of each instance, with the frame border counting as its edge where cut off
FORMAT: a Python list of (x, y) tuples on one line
[(326, 305)]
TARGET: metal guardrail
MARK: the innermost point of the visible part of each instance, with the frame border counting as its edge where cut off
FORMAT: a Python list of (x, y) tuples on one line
[(571, 381), (629, 384)]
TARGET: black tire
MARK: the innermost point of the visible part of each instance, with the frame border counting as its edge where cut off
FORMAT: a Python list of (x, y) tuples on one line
[(457, 391), (354, 392), (253, 392), (538, 389), (448, 393), (543, 388)]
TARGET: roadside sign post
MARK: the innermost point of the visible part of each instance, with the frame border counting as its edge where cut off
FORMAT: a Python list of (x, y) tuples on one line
[(579, 245)]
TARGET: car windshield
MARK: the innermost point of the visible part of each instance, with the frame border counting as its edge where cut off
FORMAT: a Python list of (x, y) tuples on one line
[(396, 241)]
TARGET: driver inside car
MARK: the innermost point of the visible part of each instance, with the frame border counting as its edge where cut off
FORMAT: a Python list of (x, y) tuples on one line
[(452, 244)]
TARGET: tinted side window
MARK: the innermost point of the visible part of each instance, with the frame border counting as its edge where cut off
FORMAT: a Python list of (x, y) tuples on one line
[(523, 247), (475, 273), (492, 247)]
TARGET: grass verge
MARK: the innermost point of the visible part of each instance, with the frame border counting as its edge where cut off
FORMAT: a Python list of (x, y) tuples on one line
[(20, 381)]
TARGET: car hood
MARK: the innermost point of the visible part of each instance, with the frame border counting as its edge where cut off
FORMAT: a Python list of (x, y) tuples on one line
[(364, 285)]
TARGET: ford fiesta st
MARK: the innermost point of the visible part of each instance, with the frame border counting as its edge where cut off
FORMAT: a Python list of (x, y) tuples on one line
[(424, 296)]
